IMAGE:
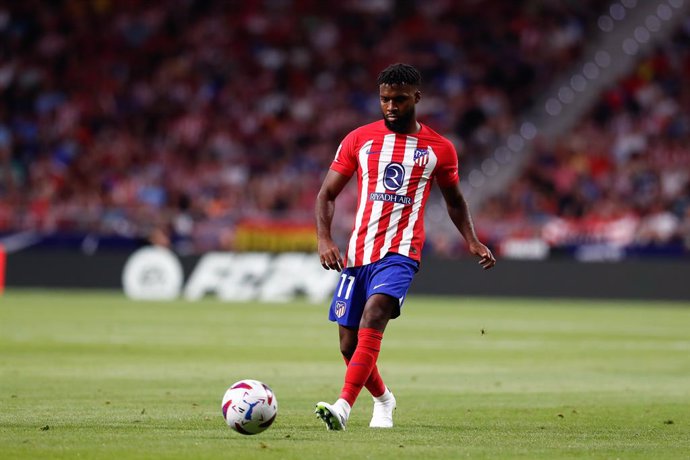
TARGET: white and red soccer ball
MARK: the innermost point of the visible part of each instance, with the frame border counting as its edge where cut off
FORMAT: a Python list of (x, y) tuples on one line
[(249, 406)]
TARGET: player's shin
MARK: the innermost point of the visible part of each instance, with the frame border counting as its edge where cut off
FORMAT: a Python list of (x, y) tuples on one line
[(374, 383), (362, 364)]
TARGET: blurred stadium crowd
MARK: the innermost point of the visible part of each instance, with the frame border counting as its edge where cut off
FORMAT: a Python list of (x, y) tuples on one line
[(621, 177), (179, 120)]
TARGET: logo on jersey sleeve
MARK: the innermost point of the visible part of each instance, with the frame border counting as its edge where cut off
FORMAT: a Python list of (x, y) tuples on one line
[(421, 157), (393, 177)]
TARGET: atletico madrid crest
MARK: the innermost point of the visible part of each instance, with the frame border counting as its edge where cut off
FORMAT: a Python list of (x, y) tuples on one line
[(421, 157), (340, 307)]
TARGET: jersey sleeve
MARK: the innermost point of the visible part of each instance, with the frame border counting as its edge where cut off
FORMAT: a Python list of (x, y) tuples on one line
[(447, 168), (345, 161)]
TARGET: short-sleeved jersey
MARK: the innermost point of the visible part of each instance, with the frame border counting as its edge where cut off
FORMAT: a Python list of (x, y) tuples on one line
[(394, 176)]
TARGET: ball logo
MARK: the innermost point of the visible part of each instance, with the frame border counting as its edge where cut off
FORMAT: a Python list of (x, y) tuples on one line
[(393, 177), (339, 308)]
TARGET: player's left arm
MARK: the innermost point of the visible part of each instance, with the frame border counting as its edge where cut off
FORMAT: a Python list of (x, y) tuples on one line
[(459, 213)]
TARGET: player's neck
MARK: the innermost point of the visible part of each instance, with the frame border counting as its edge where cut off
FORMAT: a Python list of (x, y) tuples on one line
[(414, 128)]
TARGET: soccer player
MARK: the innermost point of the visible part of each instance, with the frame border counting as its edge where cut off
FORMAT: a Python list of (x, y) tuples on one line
[(396, 160)]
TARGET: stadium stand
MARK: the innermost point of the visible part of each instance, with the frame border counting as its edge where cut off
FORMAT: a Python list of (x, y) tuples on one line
[(620, 180), (179, 122)]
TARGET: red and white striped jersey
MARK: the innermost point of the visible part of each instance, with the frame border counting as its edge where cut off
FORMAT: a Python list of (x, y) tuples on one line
[(394, 177)]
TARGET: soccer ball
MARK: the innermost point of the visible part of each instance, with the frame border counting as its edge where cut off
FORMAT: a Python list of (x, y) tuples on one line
[(249, 406)]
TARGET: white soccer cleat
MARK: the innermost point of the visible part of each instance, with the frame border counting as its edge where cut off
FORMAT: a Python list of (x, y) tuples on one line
[(333, 415), (384, 406)]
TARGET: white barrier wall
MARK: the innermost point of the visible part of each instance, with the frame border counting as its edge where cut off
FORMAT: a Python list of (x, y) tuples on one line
[(236, 276), (155, 273)]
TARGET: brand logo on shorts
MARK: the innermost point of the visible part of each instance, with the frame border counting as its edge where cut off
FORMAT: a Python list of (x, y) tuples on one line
[(339, 308)]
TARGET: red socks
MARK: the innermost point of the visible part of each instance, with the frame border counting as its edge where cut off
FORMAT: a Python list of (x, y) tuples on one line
[(361, 370), (375, 383)]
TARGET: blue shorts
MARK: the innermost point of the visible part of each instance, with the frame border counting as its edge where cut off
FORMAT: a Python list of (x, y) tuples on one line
[(391, 275)]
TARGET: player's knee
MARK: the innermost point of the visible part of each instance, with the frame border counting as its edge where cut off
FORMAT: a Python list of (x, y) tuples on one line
[(347, 349), (348, 343), (375, 320), (377, 312), (347, 353)]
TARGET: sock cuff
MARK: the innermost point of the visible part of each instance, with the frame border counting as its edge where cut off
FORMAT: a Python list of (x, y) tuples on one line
[(385, 396), (370, 338), (369, 333)]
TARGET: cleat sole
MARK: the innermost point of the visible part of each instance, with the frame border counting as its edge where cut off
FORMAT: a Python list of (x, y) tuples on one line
[(330, 419)]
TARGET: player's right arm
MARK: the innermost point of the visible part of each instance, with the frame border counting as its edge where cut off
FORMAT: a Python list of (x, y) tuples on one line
[(329, 254), (343, 167)]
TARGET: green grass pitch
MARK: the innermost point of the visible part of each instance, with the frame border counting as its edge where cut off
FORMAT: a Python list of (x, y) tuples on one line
[(93, 375)]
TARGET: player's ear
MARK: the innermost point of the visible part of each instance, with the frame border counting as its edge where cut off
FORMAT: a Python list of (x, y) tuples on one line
[(417, 96)]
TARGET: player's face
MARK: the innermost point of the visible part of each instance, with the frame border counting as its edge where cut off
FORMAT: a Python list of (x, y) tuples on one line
[(398, 107)]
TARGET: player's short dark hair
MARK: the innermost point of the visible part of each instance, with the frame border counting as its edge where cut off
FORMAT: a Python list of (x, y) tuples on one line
[(400, 74)]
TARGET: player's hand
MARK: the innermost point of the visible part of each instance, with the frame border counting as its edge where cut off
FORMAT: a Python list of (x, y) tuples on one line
[(486, 258), (329, 255)]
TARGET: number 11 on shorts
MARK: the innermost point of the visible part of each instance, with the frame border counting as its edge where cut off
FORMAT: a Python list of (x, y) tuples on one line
[(350, 282)]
